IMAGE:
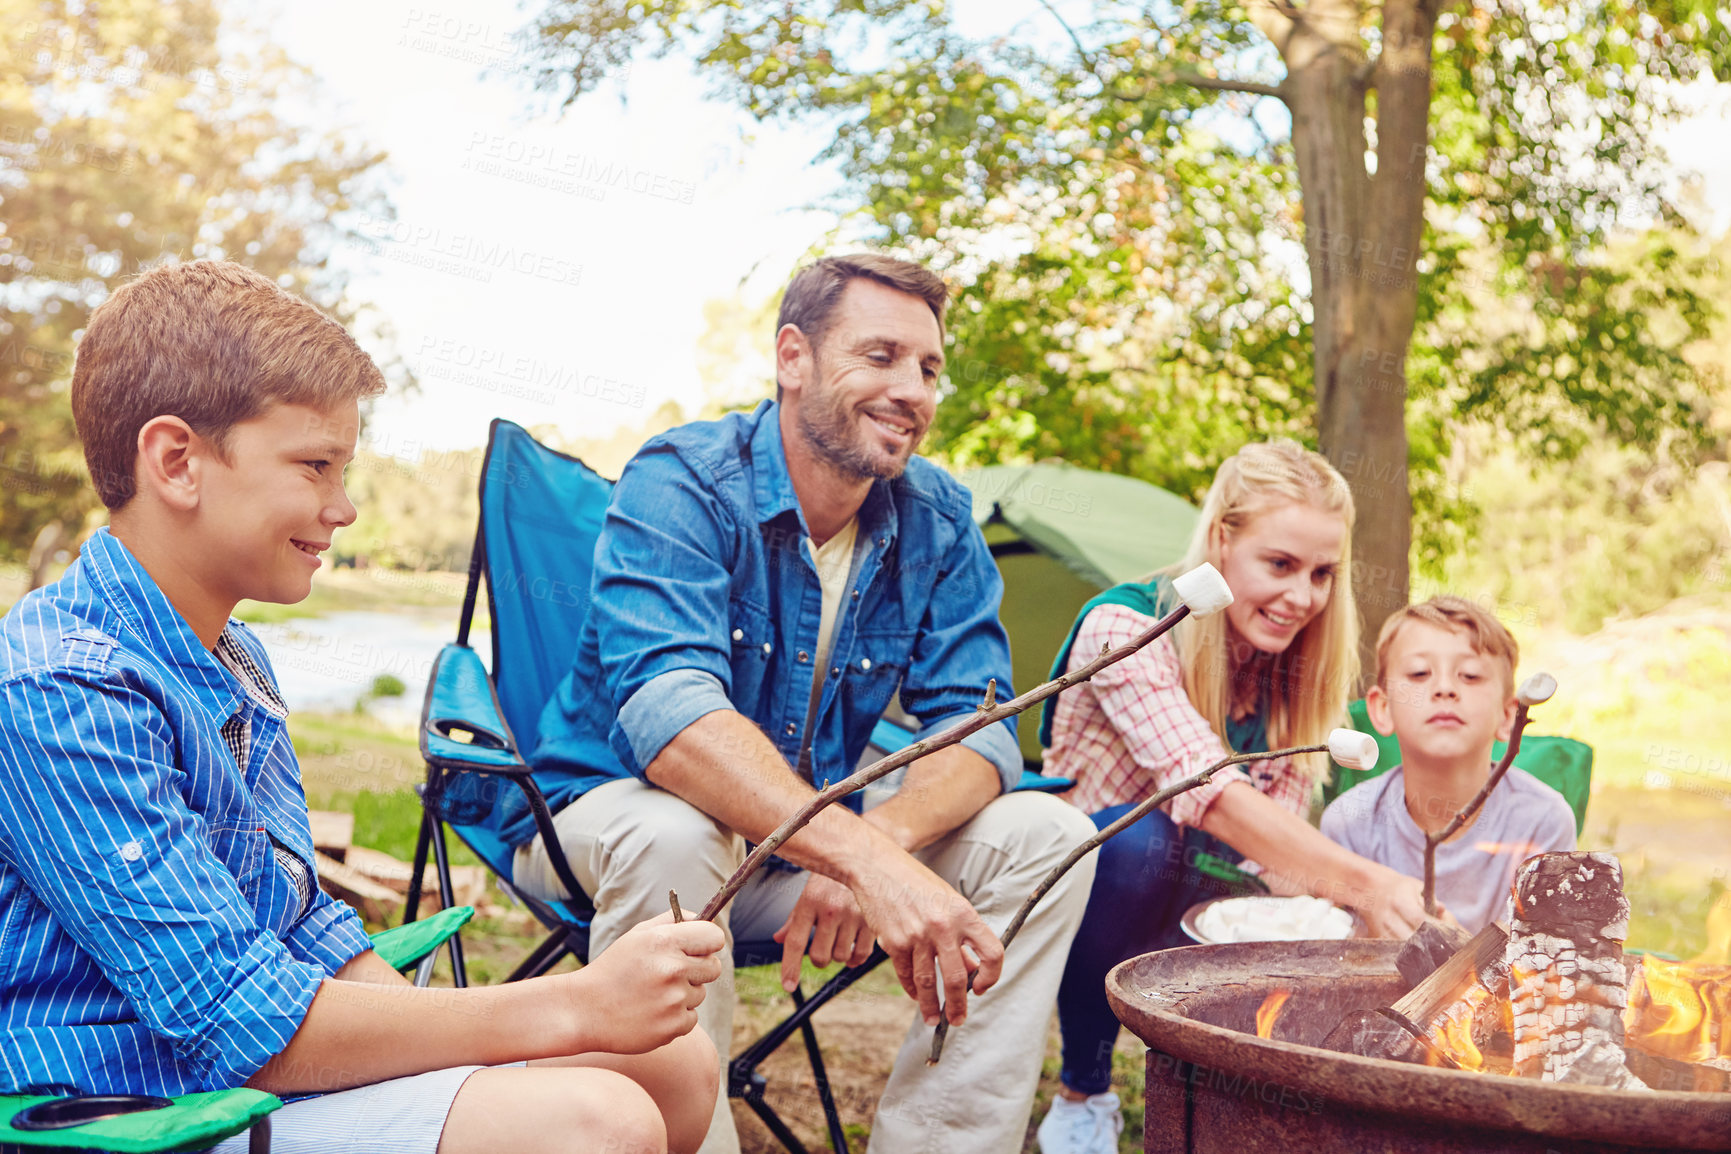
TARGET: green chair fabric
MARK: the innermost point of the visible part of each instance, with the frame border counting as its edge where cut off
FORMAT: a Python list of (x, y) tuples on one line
[(1564, 764), (402, 946), (192, 1122)]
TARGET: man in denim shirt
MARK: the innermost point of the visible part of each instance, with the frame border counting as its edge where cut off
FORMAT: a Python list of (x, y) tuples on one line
[(763, 585)]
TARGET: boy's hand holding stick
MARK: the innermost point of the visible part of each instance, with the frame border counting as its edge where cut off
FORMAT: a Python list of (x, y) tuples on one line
[(1535, 690)]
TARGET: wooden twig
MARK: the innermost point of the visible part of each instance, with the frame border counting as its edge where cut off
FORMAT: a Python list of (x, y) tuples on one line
[(1535, 690), (673, 900), (921, 748), (1142, 810)]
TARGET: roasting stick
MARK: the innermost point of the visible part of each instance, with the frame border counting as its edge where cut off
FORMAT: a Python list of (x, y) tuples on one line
[(1351, 748), (1535, 690), (1202, 591)]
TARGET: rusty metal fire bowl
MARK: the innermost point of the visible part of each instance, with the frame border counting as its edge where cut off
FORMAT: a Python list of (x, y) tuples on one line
[(1214, 1086)]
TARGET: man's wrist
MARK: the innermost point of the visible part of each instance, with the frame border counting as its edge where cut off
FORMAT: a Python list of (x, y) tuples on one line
[(883, 820)]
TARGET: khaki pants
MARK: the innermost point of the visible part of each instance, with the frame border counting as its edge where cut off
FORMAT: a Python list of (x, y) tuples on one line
[(629, 843)]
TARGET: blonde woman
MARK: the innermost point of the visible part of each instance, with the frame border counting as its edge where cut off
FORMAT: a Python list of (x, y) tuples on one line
[(1274, 670)]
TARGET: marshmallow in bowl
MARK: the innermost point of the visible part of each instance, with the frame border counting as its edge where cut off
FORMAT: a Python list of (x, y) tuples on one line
[(1272, 919)]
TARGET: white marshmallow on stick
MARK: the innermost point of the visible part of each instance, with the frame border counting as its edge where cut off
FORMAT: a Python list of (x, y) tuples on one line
[(1353, 749), (1537, 689), (1203, 589)]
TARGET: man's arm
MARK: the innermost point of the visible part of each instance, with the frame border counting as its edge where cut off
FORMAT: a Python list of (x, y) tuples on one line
[(940, 792), (724, 765)]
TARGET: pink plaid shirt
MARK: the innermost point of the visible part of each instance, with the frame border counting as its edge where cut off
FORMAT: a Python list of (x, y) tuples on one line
[(1131, 730)]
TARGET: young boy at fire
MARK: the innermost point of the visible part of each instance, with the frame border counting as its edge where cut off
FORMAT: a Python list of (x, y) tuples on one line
[(165, 932), (1445, 686)]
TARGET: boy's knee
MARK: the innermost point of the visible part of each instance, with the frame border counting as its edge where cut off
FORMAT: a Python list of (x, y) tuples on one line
[(616, 1115)]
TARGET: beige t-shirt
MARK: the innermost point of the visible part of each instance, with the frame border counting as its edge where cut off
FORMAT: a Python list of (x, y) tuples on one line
[(834, 561), (833, 558)]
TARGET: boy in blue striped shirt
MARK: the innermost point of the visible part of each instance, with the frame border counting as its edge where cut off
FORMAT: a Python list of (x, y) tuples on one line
[(161, 927)]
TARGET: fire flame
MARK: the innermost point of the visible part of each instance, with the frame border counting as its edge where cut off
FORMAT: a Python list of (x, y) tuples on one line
[(1269, 1011), (1678, 1011), (1453, 1033), (1718, 951)]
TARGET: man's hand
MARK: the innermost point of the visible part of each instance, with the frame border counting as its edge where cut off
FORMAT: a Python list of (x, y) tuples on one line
[(827, 914), (927, 928), (644, 990)]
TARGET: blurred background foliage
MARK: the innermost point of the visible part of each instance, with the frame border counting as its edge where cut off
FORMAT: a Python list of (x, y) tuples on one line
[(132, 132)]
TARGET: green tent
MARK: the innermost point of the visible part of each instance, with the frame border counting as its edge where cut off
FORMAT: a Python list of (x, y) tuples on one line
[(1060, 534)]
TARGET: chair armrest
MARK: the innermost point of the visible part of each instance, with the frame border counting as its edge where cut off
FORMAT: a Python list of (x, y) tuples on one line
[(462, 727), (403, 946), (189, 1122)]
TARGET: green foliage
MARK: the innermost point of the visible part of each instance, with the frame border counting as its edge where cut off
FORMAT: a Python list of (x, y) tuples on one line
[(1614, 534), (1127, 245), (414, 515), (133, 132), (387, 685)]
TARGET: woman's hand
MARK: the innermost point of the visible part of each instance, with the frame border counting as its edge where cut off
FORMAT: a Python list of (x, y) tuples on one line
[(1394, 906), (643, 991)]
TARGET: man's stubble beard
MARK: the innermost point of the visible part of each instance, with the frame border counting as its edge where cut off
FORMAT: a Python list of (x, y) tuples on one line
[(826, 424)]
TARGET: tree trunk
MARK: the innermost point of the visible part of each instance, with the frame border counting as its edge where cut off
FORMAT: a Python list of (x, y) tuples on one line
[(1362, 233), (48, 543)]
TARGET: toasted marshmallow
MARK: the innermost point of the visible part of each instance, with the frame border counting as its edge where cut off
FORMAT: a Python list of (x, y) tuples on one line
[(1353, 749), (1203, 589)]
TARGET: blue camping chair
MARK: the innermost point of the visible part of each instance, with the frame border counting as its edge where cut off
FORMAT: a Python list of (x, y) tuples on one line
[(541, 513)]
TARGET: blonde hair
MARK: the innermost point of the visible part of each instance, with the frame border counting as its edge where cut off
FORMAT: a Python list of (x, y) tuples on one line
[(1314, 677), (1484, 633)]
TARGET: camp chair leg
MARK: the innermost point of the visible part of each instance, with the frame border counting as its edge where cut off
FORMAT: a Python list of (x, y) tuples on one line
[(744, 1081), (752, 1095), (831, 1116), (258, 1138), (447, 899), (548, 954), (424, 971), (412, 906)]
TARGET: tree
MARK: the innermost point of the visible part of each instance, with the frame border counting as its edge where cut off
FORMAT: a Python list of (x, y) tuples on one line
[(1157, 268), (127, 137)]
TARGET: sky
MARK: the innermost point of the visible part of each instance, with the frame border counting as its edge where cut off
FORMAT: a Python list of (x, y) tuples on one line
[(553, 267), (543, 267)]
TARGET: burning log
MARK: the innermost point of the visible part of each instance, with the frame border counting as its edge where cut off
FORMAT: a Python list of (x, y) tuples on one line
[(1453, 1017), (1568, 986), (1430, 946)]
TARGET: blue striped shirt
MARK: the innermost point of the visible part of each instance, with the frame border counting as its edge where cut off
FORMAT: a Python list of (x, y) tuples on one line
[(149, 940)]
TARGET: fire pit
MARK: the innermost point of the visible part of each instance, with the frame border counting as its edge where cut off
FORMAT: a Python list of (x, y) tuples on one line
[(1213, 1085)]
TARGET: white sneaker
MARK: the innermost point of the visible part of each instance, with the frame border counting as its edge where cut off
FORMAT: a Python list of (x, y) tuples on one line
[(1090, 1126)]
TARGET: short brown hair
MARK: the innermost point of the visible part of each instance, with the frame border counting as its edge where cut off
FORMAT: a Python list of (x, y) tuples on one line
[(1484, 632), (213, 343), (810, 300)]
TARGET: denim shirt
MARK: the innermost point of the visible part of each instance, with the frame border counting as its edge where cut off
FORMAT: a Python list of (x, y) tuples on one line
[(706, 597), (149, 941)]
